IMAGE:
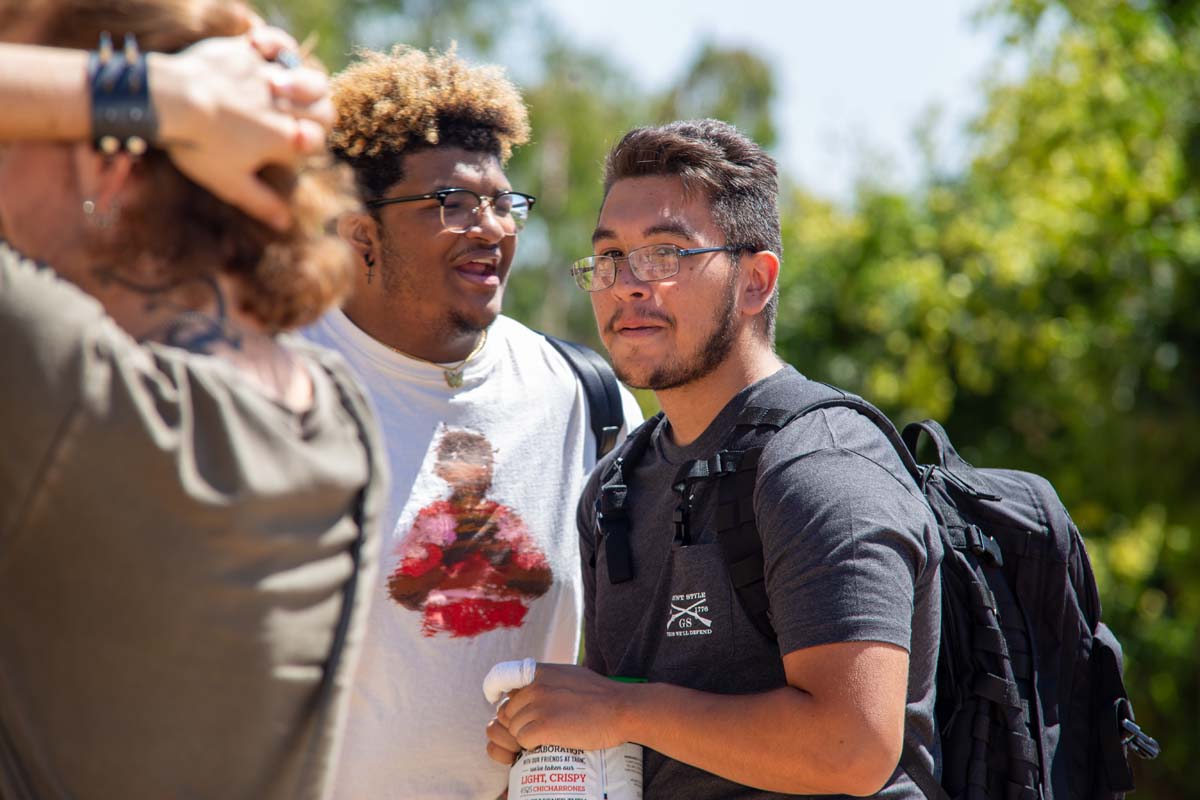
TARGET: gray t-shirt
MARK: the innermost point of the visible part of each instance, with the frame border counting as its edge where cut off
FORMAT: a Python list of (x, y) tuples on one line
[(175, 550), (851, 553)]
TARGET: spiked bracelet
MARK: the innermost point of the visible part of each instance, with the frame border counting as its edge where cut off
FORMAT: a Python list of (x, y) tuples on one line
[(123, 117)]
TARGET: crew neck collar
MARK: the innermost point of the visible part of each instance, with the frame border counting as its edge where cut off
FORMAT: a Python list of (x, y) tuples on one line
[(361, 347), (718, 430)]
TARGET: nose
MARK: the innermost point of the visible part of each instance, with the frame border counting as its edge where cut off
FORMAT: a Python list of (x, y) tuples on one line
[(626, 285), (486, 224)]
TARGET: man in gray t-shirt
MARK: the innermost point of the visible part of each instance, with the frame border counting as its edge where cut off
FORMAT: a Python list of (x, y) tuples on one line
[(683, 283)]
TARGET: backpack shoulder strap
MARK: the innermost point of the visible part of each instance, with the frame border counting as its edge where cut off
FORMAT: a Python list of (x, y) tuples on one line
[(605, 411), (847, 400), (737, 527), (742, 545), (612, 503), (786, 406)]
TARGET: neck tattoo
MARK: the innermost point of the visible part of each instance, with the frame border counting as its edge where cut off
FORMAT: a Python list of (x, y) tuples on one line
[(453, 374)]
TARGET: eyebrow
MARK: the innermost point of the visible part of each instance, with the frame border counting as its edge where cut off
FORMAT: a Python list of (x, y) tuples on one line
[(602, 233), (671, 226)]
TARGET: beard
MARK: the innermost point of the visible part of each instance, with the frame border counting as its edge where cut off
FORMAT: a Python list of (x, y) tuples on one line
[(399, 274), (461, 323), (681, 370)]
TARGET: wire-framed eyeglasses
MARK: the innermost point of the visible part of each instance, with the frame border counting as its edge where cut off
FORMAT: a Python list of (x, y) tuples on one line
[(654, 262), (460, 208)]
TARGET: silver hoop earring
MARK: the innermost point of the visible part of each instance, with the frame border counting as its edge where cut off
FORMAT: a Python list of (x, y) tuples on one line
[(100, 219)]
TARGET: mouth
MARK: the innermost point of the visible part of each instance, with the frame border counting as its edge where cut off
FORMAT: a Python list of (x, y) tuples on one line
[(637, 327), (638, 331), (480, 270)]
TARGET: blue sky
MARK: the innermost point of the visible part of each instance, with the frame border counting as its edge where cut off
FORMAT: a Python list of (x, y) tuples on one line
[(855, 76)]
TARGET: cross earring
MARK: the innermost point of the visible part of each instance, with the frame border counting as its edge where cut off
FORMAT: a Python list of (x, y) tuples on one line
[(370, 262)]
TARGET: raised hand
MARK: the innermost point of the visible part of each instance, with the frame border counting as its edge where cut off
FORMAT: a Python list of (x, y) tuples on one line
[(226, 111)]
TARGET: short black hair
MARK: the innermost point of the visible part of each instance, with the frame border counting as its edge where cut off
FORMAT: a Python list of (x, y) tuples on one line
[(737, 176)]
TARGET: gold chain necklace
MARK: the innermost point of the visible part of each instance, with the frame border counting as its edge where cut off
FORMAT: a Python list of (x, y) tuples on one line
[(453, 374)]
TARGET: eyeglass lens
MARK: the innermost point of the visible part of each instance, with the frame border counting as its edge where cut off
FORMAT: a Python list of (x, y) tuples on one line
[(653, 263), (460, 207)]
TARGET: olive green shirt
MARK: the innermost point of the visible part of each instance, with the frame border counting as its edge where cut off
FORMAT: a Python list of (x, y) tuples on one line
[(176, 551)]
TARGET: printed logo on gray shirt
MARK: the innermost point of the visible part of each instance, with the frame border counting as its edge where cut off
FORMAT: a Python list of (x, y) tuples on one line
[(687, 615)]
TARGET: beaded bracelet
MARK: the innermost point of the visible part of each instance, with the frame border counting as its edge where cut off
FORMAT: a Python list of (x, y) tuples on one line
[(122, 114)]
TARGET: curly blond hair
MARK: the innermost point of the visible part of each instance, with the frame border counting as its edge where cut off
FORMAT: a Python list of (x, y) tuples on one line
[(392, 104)]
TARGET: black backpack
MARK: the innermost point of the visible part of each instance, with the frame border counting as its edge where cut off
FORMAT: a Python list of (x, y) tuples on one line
[(605, 412), (1031, 702)]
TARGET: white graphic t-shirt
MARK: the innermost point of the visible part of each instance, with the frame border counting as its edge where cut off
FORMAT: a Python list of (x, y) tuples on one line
[(480, 559)]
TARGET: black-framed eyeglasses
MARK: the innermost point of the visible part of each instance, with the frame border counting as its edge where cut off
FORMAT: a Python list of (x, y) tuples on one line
[(460, 208), (654, 262)]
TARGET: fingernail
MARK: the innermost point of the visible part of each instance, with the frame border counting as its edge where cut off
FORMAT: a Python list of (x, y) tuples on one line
[(288, 59)]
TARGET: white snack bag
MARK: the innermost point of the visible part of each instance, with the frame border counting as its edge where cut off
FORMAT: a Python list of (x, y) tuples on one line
[(549, 772)]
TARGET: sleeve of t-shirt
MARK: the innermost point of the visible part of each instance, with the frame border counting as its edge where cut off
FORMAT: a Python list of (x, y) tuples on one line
[(44, 329), (843, 533)]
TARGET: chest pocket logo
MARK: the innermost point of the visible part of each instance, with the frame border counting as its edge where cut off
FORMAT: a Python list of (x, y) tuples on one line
[(688, 615)]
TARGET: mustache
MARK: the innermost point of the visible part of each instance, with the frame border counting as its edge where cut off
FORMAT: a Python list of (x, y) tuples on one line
[(647, 315)]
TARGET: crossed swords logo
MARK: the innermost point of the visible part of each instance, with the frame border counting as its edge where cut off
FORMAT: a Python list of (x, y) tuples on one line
[(680, 612)]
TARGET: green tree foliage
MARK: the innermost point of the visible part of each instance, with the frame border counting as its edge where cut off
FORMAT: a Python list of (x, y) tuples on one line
[(578, 111), (337, 27), (1043, 305), (730, 84)]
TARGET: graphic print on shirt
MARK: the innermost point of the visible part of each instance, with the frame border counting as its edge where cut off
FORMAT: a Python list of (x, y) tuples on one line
[(689, 615), (468, 564)]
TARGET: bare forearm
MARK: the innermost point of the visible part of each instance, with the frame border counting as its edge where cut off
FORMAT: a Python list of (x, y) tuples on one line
[(48, 86), (782, 740), (840, 734), (216, 92)]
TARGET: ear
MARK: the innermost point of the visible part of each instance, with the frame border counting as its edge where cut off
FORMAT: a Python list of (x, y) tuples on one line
[(759, 275), (104, 180), (361, 231)]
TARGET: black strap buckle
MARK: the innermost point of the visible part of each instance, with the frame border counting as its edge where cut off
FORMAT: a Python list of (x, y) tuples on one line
[(727, 461), (607, 439), (984, 546), (1134, 737), (683, 535), (612, 521)]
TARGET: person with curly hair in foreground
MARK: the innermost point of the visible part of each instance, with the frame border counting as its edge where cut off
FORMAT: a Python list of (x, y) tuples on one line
[(187, 494), (486, 426)]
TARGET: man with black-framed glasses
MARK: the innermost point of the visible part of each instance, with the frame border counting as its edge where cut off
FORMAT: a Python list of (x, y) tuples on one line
[(486, 426), (768, 577), (460, 208)]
